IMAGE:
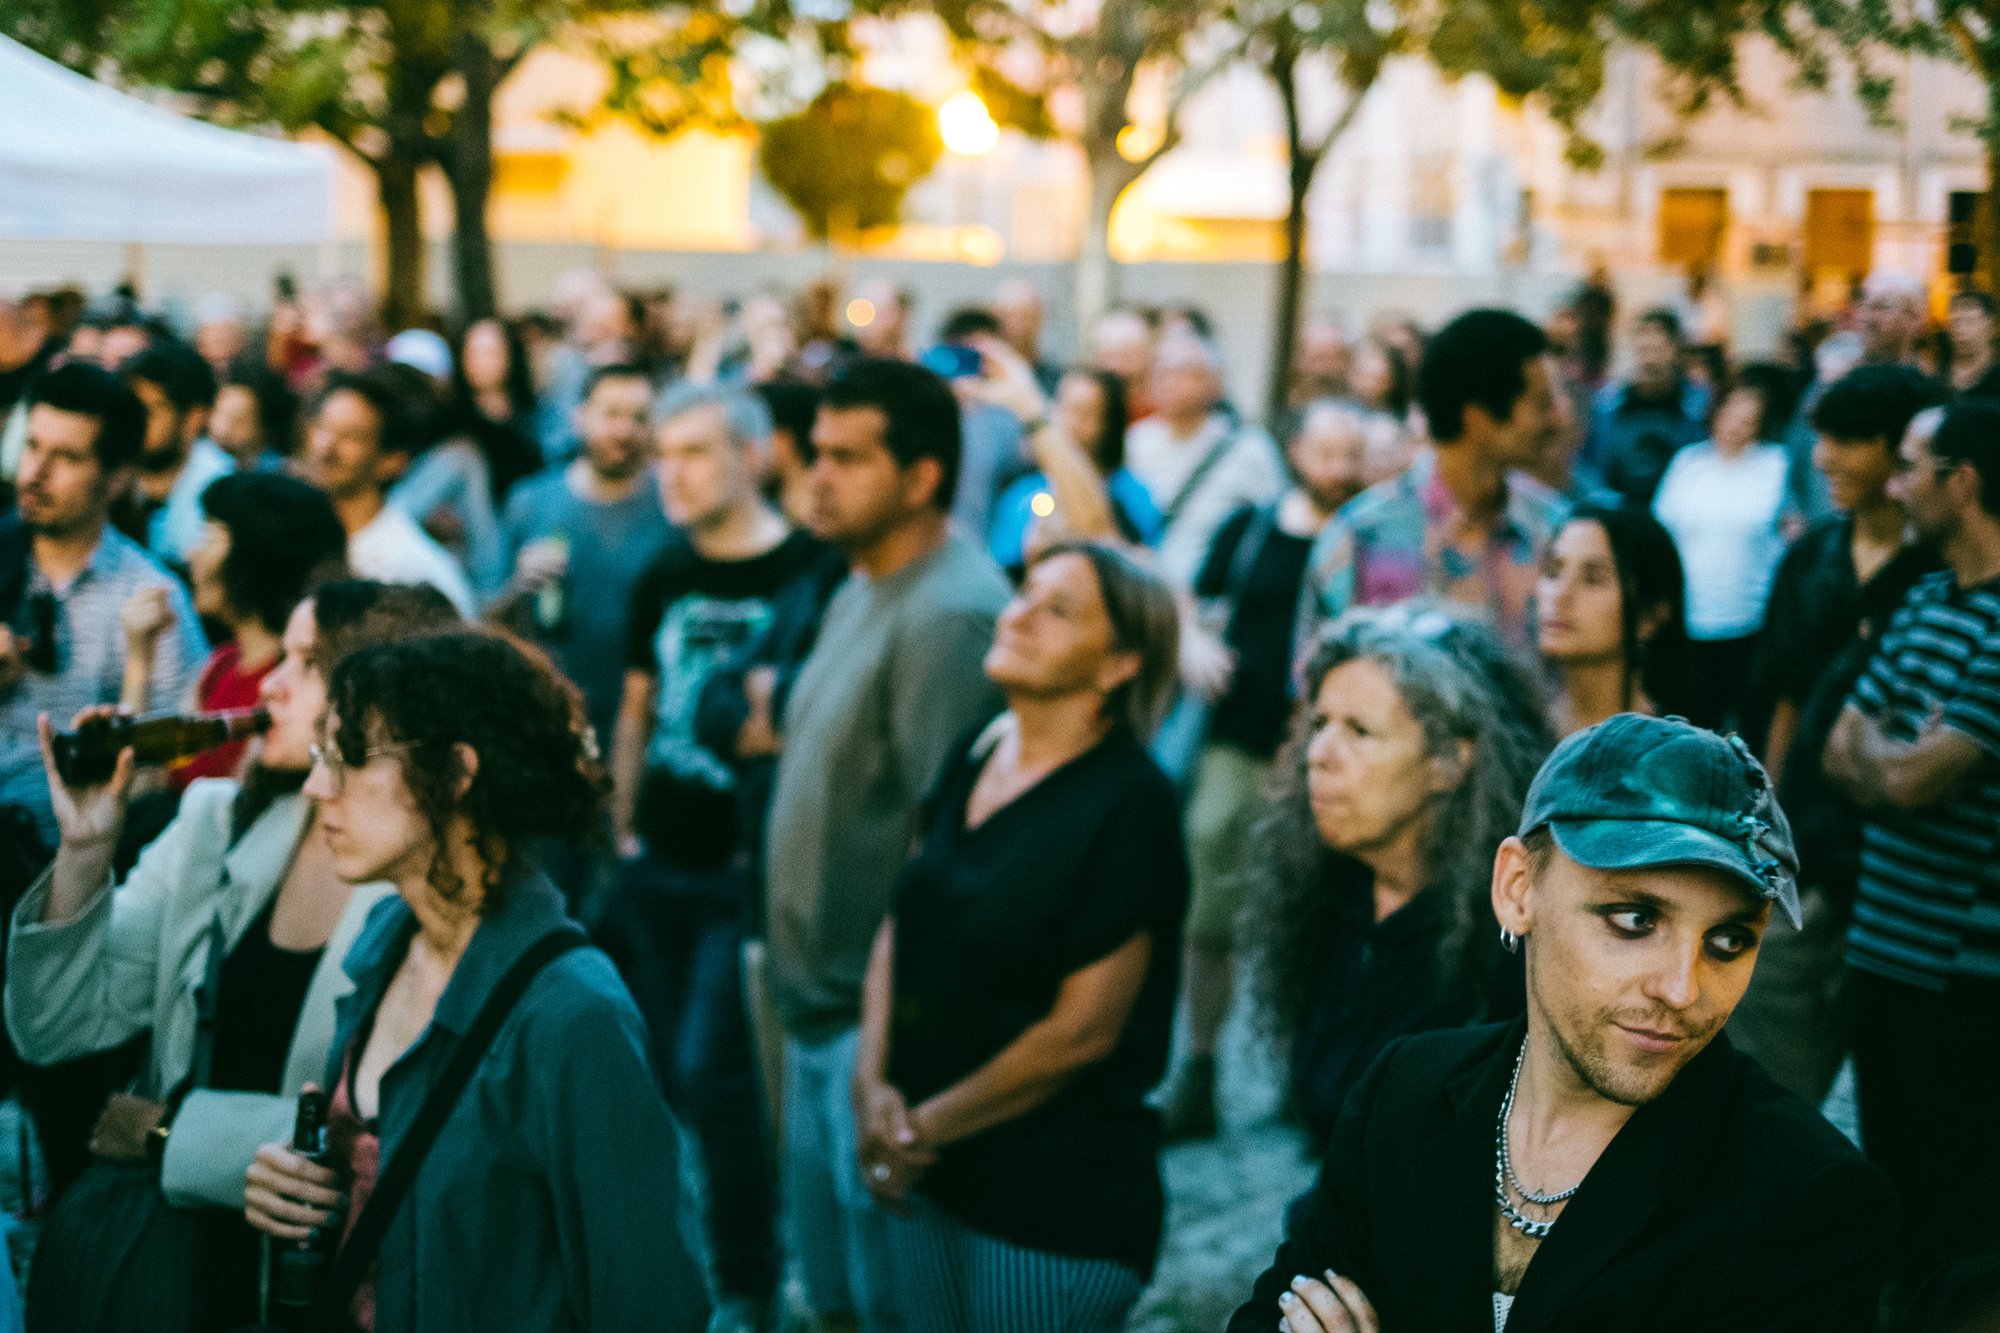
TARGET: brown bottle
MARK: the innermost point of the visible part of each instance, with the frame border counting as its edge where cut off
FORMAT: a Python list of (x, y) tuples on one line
[(89, 754)]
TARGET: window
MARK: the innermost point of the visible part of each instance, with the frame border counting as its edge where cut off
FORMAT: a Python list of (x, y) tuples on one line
[(1692, 225), (1840, 231)]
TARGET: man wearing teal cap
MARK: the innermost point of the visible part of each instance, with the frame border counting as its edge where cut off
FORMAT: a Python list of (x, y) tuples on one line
[(1607, 1161)]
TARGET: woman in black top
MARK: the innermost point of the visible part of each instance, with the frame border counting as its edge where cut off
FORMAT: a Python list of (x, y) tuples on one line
[(1370, 911), (1019, 1004)]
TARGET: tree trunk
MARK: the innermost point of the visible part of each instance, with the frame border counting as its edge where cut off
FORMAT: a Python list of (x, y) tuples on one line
[(469, 168), (1986, 216), (1291, 293), (402, 240), (1096, 271)]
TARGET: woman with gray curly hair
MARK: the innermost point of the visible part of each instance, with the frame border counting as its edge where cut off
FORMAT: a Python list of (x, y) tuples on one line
[(1369, 912)]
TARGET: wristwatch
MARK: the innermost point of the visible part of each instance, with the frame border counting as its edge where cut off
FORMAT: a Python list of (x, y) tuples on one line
[(156, 1143)]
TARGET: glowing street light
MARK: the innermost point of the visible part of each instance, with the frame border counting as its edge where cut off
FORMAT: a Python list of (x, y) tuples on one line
[(966, 126)]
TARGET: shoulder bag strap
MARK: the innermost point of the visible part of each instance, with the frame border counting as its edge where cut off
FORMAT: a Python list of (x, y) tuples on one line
[(1249, 546), (351, 1264), (1216, 453)]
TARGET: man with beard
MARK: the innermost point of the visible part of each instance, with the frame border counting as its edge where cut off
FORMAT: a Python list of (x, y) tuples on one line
[(179, 460), (66, 574), (579, 536), (1917, 746), (1607, 1161)]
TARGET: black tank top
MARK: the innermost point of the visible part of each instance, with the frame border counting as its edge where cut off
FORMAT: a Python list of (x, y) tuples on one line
[(259, 993)]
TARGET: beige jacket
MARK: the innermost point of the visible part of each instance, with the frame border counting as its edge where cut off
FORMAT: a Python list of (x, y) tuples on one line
[(135, 958)]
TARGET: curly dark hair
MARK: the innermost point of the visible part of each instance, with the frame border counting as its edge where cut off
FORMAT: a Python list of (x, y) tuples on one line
[(284, 540), (1464, 688), (347, 614), (538, 774), (350, 614)]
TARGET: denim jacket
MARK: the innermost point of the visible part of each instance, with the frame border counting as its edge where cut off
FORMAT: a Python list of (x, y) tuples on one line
[(550, 1200)]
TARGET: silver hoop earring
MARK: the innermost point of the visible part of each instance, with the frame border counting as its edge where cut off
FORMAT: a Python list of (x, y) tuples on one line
[(1509, 940)]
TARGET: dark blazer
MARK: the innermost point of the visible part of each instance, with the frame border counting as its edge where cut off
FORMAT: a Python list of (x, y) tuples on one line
[(1727, 1205)]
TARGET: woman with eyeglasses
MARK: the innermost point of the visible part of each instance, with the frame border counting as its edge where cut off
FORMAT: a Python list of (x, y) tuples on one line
[(239, 897), (548, 1200), (1369, 909)]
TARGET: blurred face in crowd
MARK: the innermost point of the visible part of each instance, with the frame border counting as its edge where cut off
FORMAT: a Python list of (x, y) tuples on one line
[(343, 453), (1329, 455), (486, 357), (1055, 639), (1632, 972), (1123, 344), (1739, 418), (1857, 472), (236, 425), (1656, 357), (604, 325), (1929, 492), (62, 488), (1538, 421), (705, 476), (122, 342), (612, 423), (1368, 774), (221, 340), (888, 332), (169, 431), (1079, 413), (1323, 359), (1018, 307), (1579, 604), (1971, 329), (858, 492), (1889, 321), (294, 691), (1372, 377), (205, 571), (1185, 384), (21, 334), (373, 826)]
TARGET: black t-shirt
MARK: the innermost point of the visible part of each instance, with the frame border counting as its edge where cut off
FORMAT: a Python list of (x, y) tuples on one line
[(260, 989), (1264, 605), (989, 923), (1812, 651), (1376, 981), (692, 617)]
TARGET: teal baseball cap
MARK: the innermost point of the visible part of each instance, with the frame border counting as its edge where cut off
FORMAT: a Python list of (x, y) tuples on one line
[(1635, 792)]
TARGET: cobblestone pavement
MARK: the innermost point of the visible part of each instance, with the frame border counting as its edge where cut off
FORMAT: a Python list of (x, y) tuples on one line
[(1226, 1198)]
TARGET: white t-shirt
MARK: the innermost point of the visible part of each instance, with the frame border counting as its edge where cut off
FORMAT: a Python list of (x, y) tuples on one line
[(1725, 516), (1250, 471), (393, 549)]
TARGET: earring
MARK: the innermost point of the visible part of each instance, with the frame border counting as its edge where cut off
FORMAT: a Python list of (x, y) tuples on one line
[(1509, 940)]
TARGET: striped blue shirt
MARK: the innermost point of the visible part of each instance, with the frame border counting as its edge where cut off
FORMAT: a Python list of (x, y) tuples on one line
[(1929, 902), (90, 658)]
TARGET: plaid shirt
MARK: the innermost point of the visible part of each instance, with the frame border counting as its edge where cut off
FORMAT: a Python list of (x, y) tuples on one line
[(1407, 537), (90, 660)]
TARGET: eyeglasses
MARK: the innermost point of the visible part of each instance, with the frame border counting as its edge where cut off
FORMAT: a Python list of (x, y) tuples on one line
[(337, 768)]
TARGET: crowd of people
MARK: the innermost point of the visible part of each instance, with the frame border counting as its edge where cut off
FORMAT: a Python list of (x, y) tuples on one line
[(760, 821)]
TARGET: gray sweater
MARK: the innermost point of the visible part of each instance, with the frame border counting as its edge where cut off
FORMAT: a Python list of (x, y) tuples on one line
[(893, 683)]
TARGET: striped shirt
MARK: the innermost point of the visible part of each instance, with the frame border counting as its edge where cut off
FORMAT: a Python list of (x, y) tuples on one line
[(1929, 903), (90, 661)]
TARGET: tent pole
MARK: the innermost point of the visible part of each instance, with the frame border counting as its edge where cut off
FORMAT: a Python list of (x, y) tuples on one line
[(135, 267)]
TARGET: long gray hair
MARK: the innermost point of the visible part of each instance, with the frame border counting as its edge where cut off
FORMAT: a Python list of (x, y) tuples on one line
[(1467, 692)]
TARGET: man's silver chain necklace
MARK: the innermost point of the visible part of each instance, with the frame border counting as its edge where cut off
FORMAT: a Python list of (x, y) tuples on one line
[(1503, 1169)]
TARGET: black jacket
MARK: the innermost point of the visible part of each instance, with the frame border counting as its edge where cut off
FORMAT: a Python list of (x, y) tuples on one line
[(1727, 1205)]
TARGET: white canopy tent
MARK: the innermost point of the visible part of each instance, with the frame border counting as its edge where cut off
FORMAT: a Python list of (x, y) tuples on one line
[(81, 161)]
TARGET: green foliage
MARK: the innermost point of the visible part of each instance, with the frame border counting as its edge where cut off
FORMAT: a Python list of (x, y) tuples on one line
[(845, 162)]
